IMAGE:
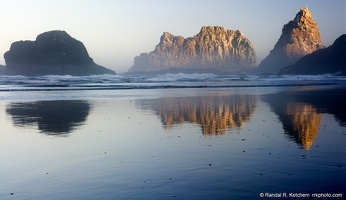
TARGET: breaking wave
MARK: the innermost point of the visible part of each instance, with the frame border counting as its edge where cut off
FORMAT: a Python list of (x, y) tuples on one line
[(180, 80)]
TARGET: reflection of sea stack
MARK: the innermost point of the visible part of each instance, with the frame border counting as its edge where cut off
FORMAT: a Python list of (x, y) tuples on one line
[(303, 120), (53, 52), (215, 114), (299, 111), (51, 117), (299, 120), (299, 37)]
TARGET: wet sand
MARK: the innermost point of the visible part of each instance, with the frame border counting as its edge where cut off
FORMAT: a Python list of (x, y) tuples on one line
[(173, 143)]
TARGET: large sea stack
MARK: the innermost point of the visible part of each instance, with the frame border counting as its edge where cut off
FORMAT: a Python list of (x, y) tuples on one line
[(213, 49), (328, 60), (299, 37), (53, 52)]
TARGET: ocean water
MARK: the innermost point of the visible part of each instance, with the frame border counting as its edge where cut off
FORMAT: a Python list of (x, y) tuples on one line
[(172, 136), (164, 81)]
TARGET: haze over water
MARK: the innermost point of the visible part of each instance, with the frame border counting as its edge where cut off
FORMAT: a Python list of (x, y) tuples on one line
[(199, 136)]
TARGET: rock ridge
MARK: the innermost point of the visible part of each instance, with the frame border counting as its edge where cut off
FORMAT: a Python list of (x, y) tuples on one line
[(213, 48)]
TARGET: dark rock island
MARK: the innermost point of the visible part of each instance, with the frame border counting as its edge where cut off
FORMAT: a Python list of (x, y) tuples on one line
[(213, 49), (328, 60), (299, 37), (52, 53)]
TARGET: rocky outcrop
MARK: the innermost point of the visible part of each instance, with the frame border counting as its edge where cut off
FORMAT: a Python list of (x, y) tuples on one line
[(299, 37), (53, 52), (213, 48), (328, 60)]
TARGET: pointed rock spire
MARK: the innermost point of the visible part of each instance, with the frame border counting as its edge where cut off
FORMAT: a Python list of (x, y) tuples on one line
[(299, 37)]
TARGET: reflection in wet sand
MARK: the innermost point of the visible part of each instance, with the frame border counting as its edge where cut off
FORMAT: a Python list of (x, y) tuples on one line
[(300, 111), (303, 120), (215, 114), (327, 101), (51, 117), (299, 120)]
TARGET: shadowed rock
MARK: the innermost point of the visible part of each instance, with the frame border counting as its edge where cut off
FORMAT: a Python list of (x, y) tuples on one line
[(328, 60), (53, 52)]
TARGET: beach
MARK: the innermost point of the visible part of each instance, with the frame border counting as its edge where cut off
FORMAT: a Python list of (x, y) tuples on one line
[(173, 143)]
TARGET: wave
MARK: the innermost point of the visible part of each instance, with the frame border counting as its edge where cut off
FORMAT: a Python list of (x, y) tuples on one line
[(161, 81), (182, 77)]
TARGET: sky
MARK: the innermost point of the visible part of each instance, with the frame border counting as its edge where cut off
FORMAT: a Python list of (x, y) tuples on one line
[(115, 31)]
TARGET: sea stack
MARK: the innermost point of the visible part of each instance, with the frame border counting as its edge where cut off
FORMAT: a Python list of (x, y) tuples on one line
[(299, 37), (53, 52), (213, 49), (329, 60)]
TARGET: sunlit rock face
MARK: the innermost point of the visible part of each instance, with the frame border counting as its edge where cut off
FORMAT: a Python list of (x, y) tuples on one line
[(53, 52), (215, 114), (213, 48), (303, 120), (299, 37)]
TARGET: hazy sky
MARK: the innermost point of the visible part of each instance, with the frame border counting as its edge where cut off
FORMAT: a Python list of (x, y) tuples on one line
[(114, 32)]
